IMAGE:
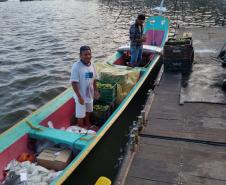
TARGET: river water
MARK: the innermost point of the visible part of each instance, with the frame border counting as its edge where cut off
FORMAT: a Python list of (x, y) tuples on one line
[(39, 41)]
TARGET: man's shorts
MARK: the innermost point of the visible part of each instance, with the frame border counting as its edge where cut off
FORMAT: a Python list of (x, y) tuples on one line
[(80, 110)]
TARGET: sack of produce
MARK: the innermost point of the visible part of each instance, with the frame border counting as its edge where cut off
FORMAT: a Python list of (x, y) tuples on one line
[(123, 77)]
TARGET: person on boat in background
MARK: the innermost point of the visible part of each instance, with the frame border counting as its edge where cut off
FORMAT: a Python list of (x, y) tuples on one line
[(83, 81), (136, 35)]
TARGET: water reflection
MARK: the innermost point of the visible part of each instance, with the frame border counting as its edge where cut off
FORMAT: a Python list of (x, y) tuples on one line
[(190, 13), (40, 41)]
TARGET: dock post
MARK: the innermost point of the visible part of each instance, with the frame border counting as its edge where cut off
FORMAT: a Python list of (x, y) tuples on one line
[(140, 123), (143, 117)]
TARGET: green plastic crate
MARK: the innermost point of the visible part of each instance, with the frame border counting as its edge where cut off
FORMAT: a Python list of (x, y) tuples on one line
[(107, 95)]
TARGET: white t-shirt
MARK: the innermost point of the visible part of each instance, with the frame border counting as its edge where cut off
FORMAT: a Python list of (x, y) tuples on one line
[(85, 76)]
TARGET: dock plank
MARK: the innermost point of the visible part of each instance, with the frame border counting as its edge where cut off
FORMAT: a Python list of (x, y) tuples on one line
[(197, 121), (139, 181), (176, 162), (183, 143)]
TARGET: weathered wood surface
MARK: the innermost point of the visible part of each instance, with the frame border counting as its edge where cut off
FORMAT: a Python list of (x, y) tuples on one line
[(195, 121), (163, 162), (183, 144)]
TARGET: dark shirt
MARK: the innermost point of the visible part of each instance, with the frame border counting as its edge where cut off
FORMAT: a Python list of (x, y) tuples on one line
[(135, 33)]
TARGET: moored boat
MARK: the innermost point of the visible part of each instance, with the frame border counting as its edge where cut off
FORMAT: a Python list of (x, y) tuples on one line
[(47, 123)]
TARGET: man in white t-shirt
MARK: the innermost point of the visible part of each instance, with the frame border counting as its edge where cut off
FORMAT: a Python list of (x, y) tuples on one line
[(83, 80)]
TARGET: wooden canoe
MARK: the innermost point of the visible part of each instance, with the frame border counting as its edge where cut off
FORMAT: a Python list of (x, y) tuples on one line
[(19, 138)]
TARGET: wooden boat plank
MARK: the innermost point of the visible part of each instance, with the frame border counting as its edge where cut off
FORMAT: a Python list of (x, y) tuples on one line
[(11, 137), (18, 130), (60, 137), (146, 48)]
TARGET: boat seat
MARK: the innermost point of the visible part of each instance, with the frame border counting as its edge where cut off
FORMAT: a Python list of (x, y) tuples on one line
[(146, 49), (77, 141)]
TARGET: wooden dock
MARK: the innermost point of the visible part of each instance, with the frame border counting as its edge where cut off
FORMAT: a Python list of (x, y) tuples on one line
[(182, 144)]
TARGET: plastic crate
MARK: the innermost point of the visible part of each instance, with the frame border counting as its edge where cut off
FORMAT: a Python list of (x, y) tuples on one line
[(99, 117), (177, 65), (180, 41), (178, 52), (107, 95)]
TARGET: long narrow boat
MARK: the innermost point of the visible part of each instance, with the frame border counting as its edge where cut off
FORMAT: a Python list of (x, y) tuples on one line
[(21, 136)]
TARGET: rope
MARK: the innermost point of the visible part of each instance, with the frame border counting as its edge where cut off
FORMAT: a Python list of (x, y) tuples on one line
[(119, 15), (32, 126)]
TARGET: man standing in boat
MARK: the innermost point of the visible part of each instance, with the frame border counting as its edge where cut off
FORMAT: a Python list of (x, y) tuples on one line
[(83, 80), (136, 41)]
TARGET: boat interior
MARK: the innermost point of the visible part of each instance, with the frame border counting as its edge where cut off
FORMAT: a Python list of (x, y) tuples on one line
[(40, 132), (45, 135), (150, 48), (54, 136), (124, 60)]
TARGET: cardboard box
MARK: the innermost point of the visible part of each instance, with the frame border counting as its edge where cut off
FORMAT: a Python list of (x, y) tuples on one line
[(54, 158)]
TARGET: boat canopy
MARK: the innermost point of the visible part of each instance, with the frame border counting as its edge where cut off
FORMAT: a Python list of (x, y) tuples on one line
[(146, 49)]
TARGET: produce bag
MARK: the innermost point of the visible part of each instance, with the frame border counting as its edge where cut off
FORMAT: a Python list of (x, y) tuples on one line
[(124, 77)]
